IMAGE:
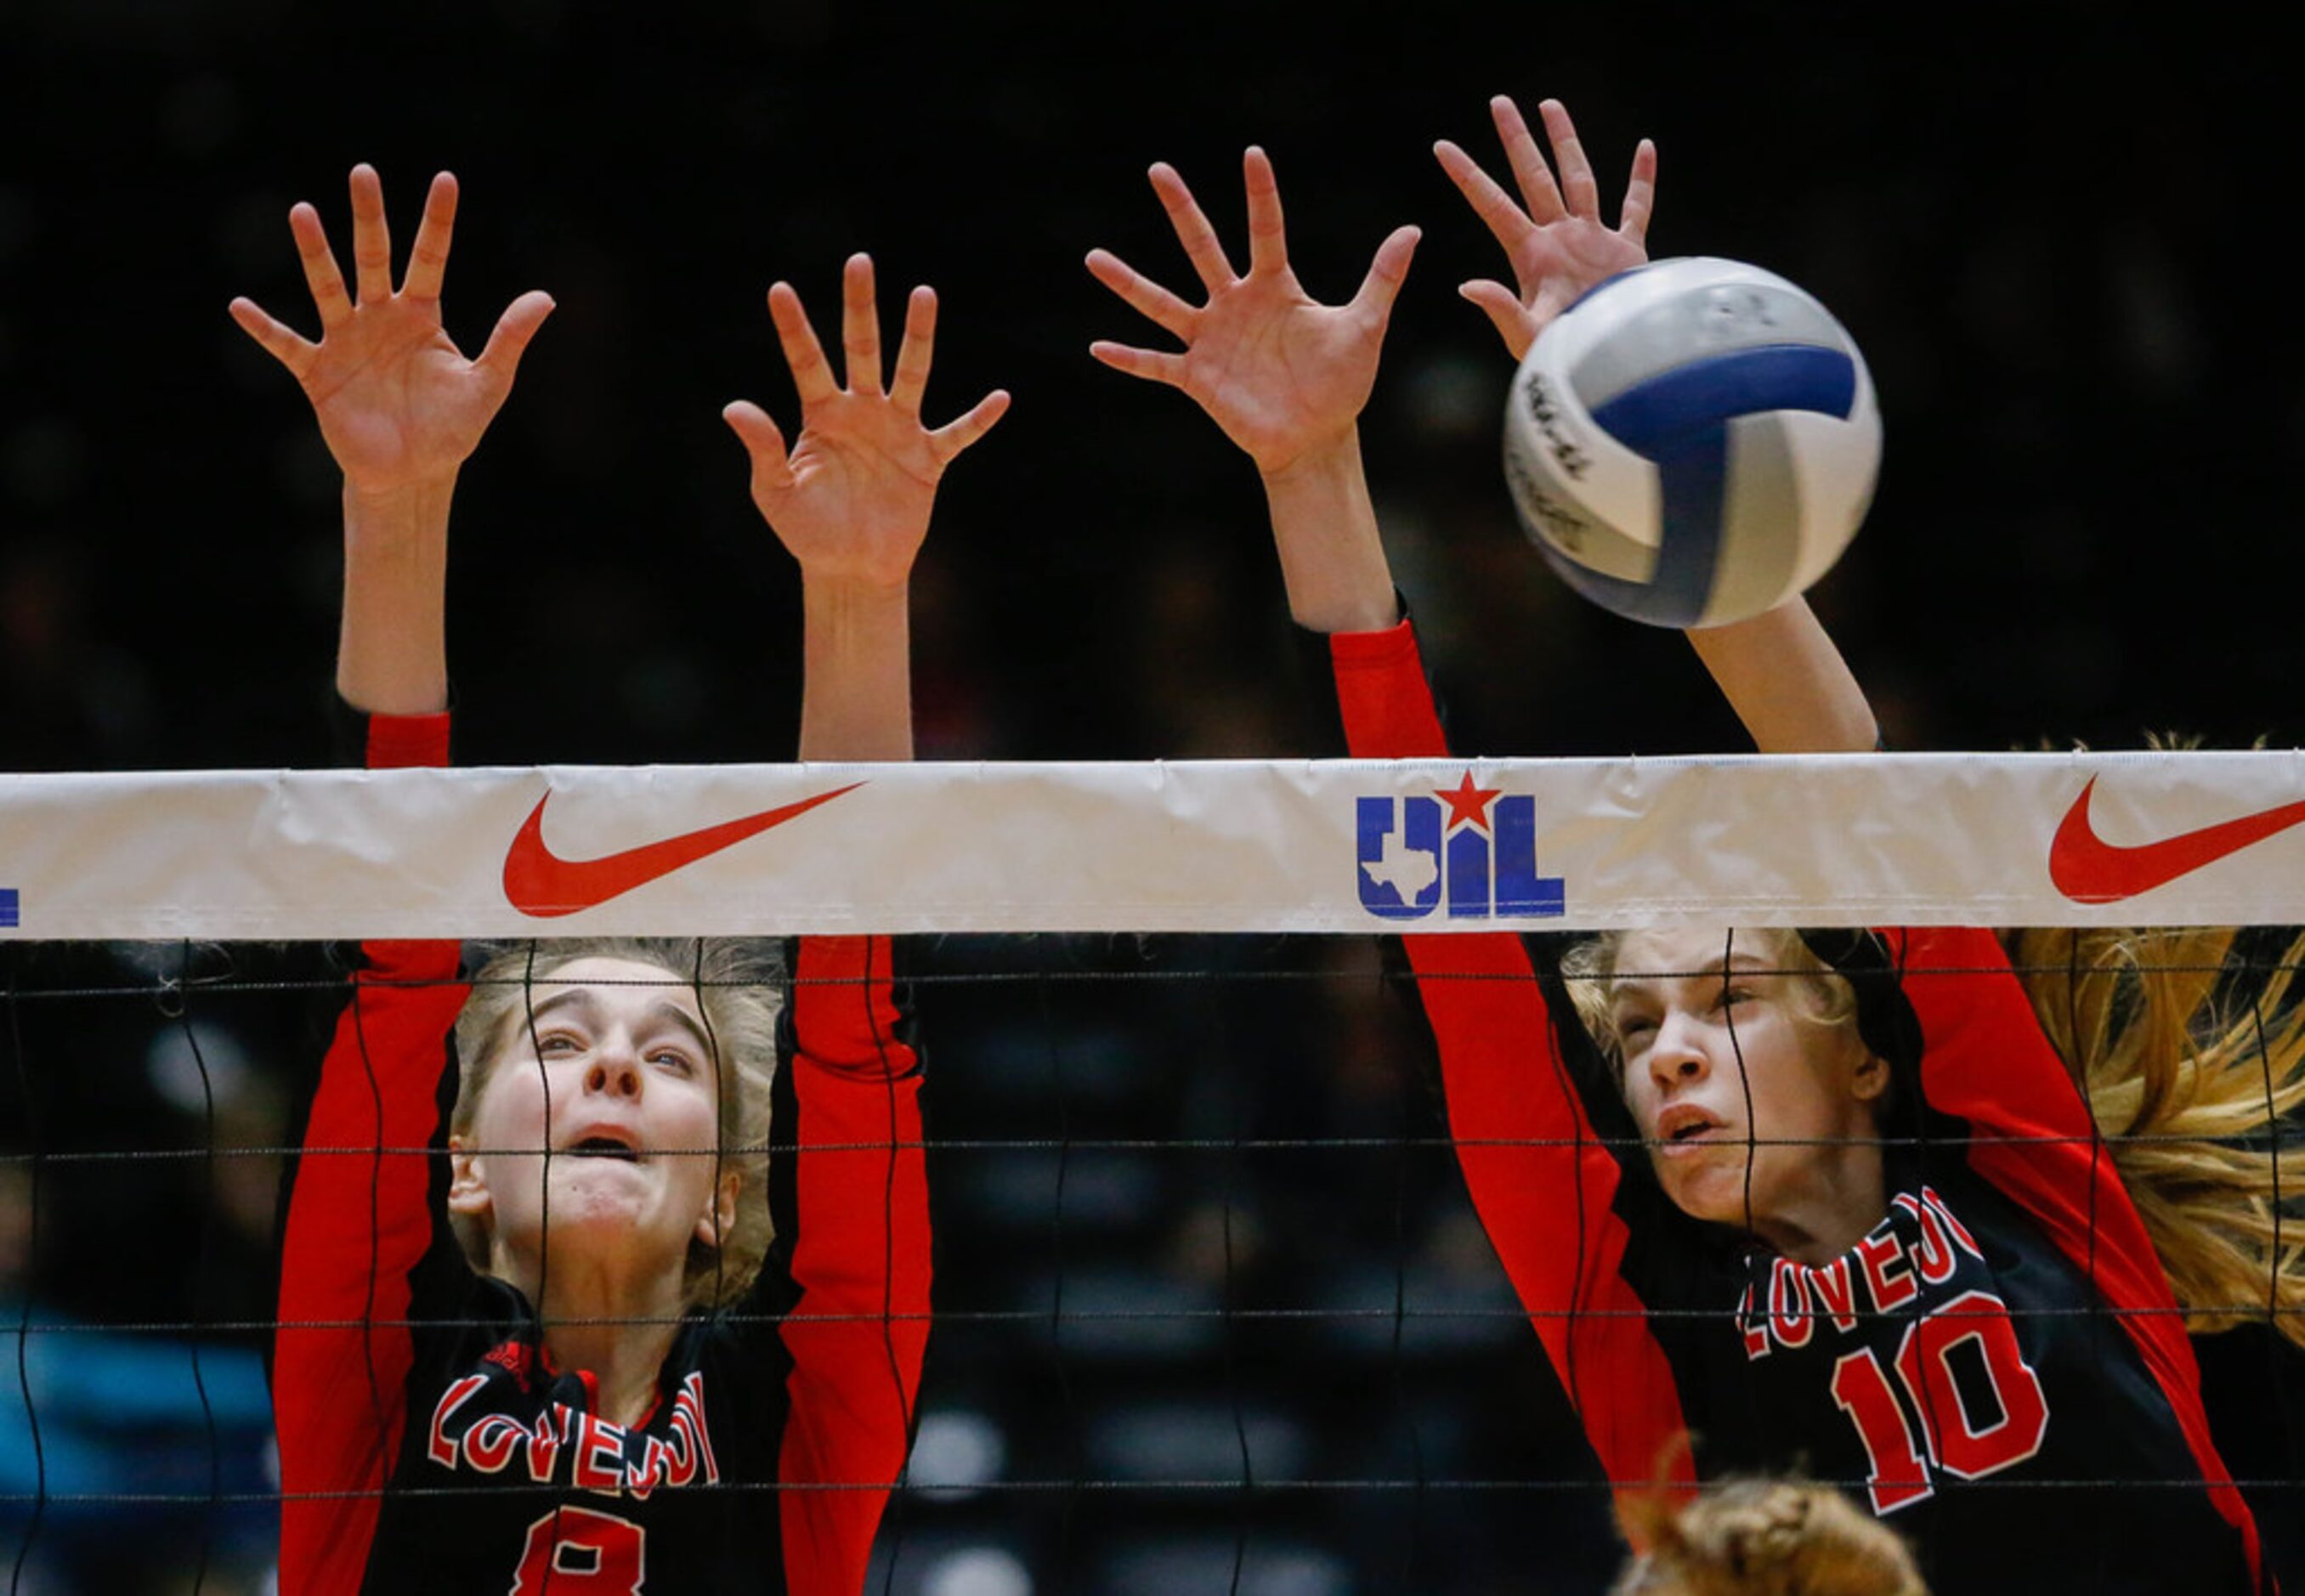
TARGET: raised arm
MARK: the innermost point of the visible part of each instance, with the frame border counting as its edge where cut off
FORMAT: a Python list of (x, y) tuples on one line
[(1782, 674), (401, 410), (1779, 671), (1285, 379), (850, 499)]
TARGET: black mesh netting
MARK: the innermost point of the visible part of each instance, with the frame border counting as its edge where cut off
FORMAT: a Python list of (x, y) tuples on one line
[(1213, 1308)]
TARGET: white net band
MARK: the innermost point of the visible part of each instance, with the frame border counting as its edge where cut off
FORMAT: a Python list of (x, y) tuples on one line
[(1246, 846)]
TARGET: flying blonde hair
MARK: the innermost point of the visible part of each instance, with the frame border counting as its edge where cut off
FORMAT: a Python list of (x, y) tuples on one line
[(739, 987), (2190, 1057)]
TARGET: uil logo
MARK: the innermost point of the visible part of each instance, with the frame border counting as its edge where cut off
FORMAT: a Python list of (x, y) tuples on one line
[(1480, 858)]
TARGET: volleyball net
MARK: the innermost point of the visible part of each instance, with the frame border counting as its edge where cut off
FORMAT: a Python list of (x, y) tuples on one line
[(1226, 1296)]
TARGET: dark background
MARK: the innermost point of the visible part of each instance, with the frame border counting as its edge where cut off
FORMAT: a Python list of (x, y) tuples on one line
[(2048, 225)]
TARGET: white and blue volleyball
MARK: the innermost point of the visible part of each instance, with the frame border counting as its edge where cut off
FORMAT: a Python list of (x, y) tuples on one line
[(1693, 442)]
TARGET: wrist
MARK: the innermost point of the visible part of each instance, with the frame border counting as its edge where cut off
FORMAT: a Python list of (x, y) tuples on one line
[(848, 597), (403, 518), (402, 489), (1334, 462)]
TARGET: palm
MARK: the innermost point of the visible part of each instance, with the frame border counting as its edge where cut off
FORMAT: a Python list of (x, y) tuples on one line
[(863, 479), (850, 499), (398, 402), (1556, 263), (1278, 370)]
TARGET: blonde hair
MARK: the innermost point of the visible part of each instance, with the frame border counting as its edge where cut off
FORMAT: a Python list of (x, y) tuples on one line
[(2190, 1057), (1820, 994), (1761, 1538), (739, 988)]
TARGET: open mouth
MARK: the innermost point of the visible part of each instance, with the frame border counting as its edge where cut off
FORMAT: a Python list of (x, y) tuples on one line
[(1683, 1126), (603, 1147)]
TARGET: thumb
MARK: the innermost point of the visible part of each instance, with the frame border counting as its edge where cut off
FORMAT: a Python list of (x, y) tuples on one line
[(1506, 313), (514, 329), (1386, 273), (950, 439), (275, 339), (771, 467)]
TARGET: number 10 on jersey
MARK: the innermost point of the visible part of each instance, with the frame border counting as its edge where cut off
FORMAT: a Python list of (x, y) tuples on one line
[(1958, 1433)]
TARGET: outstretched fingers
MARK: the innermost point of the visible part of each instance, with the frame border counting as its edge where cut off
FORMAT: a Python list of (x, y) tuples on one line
[(1268, 237), (1507, 223), (428, 258), (1533, 176), (1386, 273), (371, 238), (860, 326), (321, 275), (915, 354), (282, 342), (950, 439), (771, 465), (1193, 229), (1578, 187), (1142, 295), (1640, 194), (812, 378), (1151, 364)]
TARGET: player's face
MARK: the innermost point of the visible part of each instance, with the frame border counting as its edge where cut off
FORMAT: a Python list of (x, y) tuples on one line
[(611, 1070), (1747, 1104)]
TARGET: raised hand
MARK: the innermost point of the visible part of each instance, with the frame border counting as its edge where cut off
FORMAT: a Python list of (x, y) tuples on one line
[(1555, 237), (851, 499), (1283, 374), (399, 405)]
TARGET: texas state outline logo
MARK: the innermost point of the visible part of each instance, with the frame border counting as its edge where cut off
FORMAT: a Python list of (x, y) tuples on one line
[(1478, 860)]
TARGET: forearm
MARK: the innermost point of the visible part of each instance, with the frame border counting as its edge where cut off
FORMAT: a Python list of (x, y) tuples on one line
[(1540, 1179), (392, 652), (359, 1191), (359, 1215), (1544, 1185), (858, 1229), (358, 1222), (856, 702), (1332, 554), (1787, 683)]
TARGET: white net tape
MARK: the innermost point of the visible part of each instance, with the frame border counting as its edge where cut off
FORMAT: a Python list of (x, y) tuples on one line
[(1264, 846)]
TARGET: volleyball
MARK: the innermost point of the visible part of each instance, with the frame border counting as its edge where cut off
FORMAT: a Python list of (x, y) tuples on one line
[(1693, 442)]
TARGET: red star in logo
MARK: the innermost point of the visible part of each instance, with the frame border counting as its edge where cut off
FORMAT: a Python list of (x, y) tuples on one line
[(1468, 803)]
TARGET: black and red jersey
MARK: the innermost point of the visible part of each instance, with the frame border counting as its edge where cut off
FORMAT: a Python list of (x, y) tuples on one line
[(427, 1441), (1999, 1369)]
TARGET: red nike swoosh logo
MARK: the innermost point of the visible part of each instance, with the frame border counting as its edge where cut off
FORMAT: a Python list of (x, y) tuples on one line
[(2089, 869), (539, 883)]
